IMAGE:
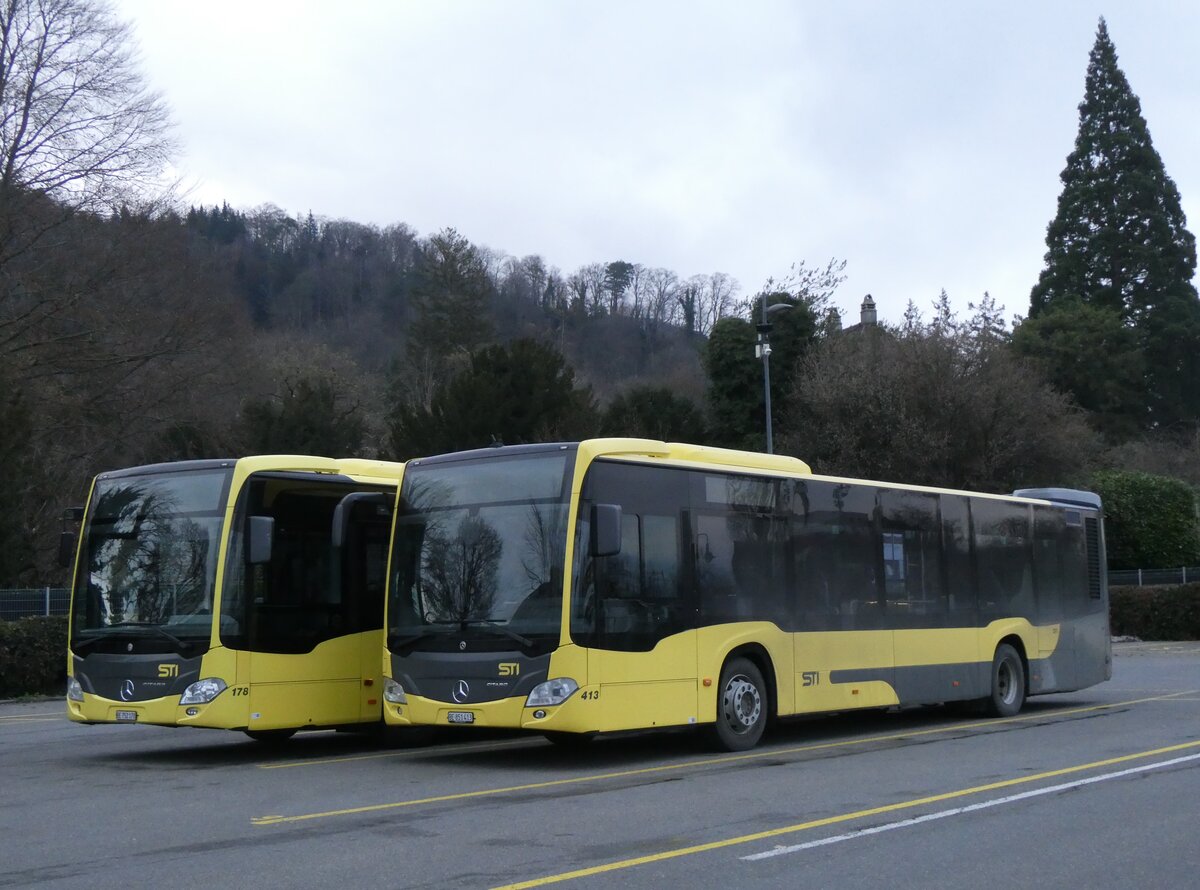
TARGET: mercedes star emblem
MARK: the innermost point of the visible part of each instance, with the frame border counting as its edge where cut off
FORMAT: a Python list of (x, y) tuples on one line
[(127, 691), (461, 691)]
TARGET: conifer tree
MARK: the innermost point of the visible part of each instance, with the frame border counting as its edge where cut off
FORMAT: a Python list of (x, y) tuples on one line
[(1119, 244)]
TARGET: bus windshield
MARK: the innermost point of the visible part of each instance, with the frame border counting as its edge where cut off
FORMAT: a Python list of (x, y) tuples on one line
[(478, 553), (149, 559)]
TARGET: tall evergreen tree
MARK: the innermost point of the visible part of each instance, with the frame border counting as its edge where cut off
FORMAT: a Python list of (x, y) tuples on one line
[(1119, 243), (451, 296), (518, 393)]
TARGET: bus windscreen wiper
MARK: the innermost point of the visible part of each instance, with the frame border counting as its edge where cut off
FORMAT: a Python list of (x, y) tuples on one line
[(142, 627), (402, 645), (499, 630), (89, 637)]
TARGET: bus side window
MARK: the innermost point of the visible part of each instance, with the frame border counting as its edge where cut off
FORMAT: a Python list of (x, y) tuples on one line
[(1048, 531), (619, 582), (1003, 557), (631, 600), (961, 602), (912, 559)]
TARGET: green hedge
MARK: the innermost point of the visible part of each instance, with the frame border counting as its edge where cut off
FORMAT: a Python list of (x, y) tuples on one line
[(33, 656), (1156, 613), (1149, 521)]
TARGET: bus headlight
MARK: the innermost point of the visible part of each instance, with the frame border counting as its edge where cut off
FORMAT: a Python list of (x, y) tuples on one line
[(202, 691), (552, 692), (393, 692), (74, 690)]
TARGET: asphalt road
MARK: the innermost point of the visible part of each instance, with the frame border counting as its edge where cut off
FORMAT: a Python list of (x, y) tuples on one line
[(1099, 788)]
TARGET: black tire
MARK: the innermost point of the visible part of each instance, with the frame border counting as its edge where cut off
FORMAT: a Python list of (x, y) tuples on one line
[(1008, 682), (742, 705), (270, 736)]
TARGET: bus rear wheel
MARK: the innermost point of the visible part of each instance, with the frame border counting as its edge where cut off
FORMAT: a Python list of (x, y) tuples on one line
[(1008, 682), (741, 706)]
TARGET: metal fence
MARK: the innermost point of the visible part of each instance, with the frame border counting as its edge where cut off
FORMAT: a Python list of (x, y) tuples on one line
[(1154, 577), (26, 601)]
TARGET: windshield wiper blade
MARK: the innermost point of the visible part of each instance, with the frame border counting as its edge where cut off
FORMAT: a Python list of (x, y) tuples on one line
[(500, 630), (145, 626), (397, 642), (82, 643), (89, 637)]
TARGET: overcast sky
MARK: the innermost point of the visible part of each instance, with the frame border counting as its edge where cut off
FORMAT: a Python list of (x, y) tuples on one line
[(920, 141)]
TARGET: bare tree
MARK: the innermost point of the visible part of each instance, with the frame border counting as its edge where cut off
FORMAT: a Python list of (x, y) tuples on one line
[(78, 124), (79, 131), (661, 286), (713, 299)]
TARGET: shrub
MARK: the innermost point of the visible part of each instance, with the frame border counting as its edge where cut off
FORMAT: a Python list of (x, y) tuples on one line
[(1156, 613), (1149, 521), (33, 656)]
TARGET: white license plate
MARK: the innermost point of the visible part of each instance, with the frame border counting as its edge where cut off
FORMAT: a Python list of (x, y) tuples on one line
[(127, 716), (460, 716)]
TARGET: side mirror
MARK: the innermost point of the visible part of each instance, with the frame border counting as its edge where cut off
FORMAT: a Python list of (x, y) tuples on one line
[(341, 513), (66, 549), (605, 530), (68, 541), (261, 535)]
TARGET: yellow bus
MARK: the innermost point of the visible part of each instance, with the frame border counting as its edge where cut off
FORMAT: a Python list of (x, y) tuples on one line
[(623, 584), (236, 594)]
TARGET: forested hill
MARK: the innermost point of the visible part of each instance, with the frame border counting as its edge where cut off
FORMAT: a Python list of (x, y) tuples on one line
[(141, 336), (372, 293)]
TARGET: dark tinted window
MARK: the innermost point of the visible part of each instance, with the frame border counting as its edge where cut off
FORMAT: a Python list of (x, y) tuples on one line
[(632, 600), (149, 559), (1049, 535), (478, 552), (310, 591), (912, 559), (836, 556), (1060, 564), (956, 551), (1003, 559), (741, 550)]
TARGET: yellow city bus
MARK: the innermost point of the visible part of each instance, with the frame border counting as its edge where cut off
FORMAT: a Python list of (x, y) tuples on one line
[(236, 594), (622, 584)]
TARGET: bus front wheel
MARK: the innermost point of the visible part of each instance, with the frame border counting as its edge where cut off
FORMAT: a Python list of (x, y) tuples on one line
[(1008, 682), (741, 706)]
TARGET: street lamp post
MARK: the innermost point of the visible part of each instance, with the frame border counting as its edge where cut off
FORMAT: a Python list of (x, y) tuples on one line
[(762, 349)]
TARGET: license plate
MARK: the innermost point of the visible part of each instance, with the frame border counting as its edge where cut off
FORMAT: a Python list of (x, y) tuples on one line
[(460, 716), (127, 716)]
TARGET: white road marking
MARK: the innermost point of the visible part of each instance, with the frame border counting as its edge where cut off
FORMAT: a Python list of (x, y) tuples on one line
[(958, 811)]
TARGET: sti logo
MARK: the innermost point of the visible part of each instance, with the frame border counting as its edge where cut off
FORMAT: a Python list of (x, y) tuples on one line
[(509, 669), (168, 670), (811, 678)]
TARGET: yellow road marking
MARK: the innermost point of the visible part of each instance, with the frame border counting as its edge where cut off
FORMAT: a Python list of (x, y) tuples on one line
[(38, 714), (688, 764), (33, 719), (834, 820)]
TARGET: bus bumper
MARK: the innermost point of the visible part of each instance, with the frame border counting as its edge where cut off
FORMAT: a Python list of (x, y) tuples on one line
[(507, 713), (220, 713)]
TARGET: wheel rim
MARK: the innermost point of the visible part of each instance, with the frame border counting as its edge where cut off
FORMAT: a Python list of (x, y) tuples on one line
[(1006, 682), (741, 704)]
